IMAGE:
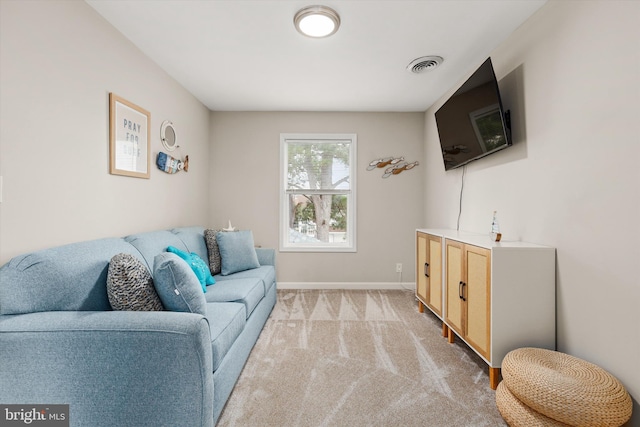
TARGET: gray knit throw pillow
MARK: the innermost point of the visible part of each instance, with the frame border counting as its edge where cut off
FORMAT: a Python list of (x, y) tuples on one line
[(215, 264), (130, 286)]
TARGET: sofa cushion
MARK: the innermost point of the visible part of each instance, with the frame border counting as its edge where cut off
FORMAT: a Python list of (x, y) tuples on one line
[(130, 286), (226, 321), (177, 285), (267, 273), (65, 278), (197, 264), (193, 239), (213, 251), (248, 291), (237, 251), (151, 243)]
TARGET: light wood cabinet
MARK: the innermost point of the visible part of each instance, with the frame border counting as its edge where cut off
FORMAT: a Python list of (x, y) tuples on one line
[(429, 273), (468, 294), (498, 296)]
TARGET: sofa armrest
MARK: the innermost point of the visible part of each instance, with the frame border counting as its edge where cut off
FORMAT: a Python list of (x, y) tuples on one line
[(266, 256), (113, 368)]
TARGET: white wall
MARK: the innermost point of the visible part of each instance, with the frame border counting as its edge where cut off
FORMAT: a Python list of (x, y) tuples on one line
[(58, 62), (245, 189), (571, 77)]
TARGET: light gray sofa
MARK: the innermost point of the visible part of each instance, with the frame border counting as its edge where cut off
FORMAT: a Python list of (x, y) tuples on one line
[(60, 342)]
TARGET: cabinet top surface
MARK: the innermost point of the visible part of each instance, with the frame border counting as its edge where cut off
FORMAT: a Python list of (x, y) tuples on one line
[(477, 239)]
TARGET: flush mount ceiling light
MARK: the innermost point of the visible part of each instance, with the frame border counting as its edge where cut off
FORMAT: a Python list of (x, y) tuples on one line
[(317, 21), (424, 64)]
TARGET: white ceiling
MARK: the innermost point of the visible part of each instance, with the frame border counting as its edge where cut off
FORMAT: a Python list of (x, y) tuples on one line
[(245, 55)]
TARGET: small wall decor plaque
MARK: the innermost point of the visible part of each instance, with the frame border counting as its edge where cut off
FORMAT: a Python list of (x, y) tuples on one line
[(129, 139), (169, 164)]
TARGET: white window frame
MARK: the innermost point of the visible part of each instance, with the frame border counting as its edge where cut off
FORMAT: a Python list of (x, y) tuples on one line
[(350, 244)]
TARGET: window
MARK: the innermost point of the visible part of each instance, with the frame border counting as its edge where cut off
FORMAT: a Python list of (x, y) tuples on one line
[(318, 192)]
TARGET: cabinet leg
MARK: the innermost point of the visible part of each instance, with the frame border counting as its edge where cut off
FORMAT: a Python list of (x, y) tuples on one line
[(420, 307), (445, 330), (494, 377), (451, 335)]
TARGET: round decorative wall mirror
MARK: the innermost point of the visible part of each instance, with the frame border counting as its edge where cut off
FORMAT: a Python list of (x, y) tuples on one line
[(168, 135)]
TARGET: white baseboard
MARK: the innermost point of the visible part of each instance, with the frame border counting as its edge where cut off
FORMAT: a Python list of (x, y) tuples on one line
[(407, 286)]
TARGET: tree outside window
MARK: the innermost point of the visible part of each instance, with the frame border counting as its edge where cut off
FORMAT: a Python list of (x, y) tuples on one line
[(318, 194)]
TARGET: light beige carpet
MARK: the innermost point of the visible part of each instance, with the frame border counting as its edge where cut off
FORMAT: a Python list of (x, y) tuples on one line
[(359, 358)]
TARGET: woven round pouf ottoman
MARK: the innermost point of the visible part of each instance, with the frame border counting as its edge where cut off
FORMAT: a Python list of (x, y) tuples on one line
[(563, 388), (517, 414)]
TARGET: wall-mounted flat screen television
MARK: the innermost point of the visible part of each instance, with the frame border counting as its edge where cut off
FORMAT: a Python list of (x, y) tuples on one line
[(472, 123)]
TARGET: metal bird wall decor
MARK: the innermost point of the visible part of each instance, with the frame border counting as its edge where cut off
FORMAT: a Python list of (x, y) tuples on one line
[(393, 165)]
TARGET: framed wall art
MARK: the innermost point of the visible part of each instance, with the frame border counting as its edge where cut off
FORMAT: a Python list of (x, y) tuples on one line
[(129, 140)]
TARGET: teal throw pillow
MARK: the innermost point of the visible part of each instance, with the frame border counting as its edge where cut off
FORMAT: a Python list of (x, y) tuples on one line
[(199, 267), (237, 251), (177, 285)]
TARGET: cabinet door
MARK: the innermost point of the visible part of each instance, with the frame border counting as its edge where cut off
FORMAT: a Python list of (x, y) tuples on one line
[(421, 279), (433, 271), (429, 271), (477, 292), (454, 274)]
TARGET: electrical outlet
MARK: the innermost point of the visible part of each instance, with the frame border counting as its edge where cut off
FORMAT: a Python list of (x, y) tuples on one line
[(398, 268)]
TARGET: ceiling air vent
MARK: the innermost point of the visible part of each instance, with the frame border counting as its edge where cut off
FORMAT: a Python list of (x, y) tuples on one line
[(424, 64)]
